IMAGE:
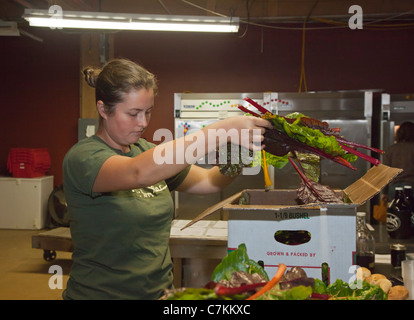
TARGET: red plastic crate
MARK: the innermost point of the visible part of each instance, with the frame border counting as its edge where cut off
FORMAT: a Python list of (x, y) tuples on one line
[(28, 162)]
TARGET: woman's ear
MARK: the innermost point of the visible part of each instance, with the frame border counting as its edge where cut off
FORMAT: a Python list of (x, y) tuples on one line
[(101, 109)]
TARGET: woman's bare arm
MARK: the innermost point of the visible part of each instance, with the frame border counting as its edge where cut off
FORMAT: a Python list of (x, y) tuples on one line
[(122, 173)]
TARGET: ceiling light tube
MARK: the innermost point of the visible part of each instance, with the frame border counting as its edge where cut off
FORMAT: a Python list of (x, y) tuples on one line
[(120, 21)]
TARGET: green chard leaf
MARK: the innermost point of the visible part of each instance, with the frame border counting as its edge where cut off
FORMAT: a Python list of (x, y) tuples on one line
[(271, 160), (319, 287), (295, 293), (312, 137), (237, 260)]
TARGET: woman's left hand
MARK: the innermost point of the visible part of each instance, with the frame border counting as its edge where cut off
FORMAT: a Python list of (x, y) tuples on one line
[(244, 130)]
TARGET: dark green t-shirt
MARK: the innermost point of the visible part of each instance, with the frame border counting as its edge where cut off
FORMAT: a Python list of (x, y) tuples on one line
[(121, 239)]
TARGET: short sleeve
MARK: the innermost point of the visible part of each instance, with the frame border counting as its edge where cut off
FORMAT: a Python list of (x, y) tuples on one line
[(174, 182), (81, 167)]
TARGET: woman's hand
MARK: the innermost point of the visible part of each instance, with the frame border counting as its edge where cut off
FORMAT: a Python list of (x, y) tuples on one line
[(243, 130)]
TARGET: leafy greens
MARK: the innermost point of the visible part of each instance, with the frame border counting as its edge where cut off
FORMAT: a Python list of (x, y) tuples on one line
[(235, 261)]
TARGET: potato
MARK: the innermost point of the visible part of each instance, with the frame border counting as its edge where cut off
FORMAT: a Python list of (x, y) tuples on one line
[(384, 284), (362, 273), (373, 278), (398, 293)]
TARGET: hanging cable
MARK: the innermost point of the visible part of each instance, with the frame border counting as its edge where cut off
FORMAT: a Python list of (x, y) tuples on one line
[(205, 9), (302, 62), (302, 78), (164, 6), (248, 7)]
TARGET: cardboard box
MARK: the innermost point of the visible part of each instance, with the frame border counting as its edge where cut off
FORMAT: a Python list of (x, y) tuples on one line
[(316, 233)]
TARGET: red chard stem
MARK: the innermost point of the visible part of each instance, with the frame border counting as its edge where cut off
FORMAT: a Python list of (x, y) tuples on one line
[(256, 105), (357, 145), (360, 154), (247, 111), (224, 291), (305, 179)]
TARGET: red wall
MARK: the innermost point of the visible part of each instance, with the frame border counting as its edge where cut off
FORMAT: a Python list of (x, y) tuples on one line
[(39, 82), (39, 98)]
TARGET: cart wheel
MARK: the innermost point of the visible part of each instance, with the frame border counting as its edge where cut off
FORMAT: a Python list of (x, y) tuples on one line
[(49, 255)]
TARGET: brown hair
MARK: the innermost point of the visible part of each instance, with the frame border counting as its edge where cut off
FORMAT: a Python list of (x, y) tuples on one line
[(117, 78), (405, 132)]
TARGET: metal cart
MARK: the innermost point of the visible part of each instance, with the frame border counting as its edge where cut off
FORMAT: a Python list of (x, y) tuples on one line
[(53, 240)]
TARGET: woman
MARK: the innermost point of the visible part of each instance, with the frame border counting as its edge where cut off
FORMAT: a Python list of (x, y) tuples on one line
[(118, 193), (401, 155)]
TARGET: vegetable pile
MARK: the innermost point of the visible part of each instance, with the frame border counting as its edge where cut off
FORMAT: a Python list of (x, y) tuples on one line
[(238, 277)]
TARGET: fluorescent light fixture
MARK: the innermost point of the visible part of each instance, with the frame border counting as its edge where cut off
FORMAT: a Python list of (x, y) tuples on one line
[(123, 21)]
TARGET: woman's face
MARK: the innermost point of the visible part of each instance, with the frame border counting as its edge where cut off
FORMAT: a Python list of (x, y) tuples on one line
[(127, 124)]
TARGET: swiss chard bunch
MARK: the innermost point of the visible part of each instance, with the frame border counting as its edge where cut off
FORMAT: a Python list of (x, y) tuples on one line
[(297, 132), (296, 135), (313, 138)]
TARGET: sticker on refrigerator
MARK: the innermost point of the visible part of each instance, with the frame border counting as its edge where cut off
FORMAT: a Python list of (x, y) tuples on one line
[(184, 128)]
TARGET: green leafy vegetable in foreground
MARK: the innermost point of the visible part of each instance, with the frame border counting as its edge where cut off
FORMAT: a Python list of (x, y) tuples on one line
[(295, 293), (294, 285), (199, 294), (340, 290), (237, 260)]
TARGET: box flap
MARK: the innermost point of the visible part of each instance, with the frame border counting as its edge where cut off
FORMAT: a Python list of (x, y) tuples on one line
[(213, 209), (371, 183)]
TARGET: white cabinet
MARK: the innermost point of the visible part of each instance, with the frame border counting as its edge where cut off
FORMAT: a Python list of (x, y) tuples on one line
[(23, 202)]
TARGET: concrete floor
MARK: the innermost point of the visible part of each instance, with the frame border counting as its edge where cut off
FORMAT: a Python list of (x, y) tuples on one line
[(24, 274)]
